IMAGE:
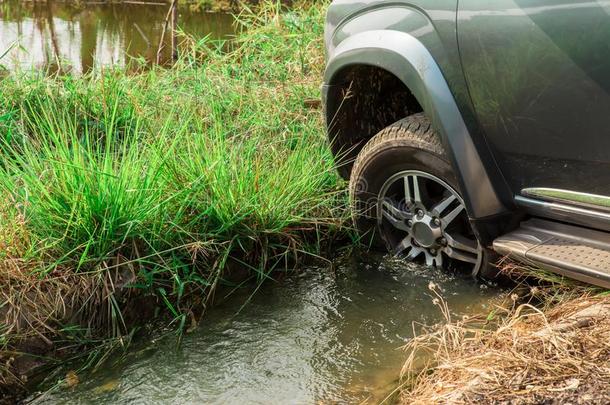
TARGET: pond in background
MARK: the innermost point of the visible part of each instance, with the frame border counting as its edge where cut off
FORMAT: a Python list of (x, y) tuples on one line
[(327, 334), (81, 36)]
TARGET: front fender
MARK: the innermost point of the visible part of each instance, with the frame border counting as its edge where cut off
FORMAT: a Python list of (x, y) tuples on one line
[(407, 58)]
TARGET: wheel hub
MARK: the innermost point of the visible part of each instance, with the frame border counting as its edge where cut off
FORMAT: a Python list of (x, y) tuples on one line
[(425, 232)]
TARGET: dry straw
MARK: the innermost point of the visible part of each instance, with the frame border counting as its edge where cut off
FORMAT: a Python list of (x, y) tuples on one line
[(517, 354)]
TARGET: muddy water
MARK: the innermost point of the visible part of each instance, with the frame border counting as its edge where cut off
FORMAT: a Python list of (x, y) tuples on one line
[(329, 334), (81, 36)]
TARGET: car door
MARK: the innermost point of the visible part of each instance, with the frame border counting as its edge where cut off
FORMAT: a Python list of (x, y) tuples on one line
[(538, 74)]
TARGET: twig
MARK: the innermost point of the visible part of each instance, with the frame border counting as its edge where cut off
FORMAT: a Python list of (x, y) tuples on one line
[(165, 23)]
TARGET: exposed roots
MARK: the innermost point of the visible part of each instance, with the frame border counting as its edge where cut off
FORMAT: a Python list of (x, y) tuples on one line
[(39, 313), (517, 355)]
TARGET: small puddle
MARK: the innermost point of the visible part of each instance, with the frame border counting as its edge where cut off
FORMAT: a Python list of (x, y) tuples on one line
[(81, 36), (326, 334)]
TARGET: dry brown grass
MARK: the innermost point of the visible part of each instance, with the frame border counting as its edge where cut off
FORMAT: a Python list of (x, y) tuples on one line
[(43, 317), (519, 354)]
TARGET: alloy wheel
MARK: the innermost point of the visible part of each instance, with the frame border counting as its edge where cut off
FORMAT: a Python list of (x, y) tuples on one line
[(421, 216)]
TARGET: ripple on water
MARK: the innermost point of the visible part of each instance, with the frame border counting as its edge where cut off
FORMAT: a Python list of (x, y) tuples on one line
[(327, 334)]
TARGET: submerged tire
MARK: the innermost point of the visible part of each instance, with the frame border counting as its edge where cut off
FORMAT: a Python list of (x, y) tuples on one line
[(404, 196)]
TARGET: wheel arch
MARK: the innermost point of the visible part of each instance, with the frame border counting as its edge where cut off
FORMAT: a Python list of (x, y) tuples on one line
[(406, 59)]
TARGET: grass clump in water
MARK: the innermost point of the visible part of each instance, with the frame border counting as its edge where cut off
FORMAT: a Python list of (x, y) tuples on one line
[(144, 188)]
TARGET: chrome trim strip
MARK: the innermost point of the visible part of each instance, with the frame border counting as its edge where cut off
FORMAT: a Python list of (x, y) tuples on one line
[(568, 196), (568, 213)]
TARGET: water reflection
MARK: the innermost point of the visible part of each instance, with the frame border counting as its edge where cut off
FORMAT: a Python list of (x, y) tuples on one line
[(329, 334), (79, 37)]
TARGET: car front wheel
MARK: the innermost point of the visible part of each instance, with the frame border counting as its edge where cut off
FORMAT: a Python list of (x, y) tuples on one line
[(404, 195)]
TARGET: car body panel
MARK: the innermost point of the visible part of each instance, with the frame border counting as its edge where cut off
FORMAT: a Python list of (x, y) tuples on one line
[(434, 26), (538, 72)]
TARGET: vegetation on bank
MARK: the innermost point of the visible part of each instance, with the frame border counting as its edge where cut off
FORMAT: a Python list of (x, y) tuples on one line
[(124, 194), (548, 344)]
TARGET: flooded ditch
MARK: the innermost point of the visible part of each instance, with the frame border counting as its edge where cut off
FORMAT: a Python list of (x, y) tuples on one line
[(327, 334)]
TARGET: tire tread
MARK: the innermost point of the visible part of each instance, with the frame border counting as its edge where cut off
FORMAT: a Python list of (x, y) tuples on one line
[(414, 131)]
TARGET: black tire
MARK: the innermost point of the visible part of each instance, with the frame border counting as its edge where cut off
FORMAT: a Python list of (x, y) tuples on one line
[(409, 144)]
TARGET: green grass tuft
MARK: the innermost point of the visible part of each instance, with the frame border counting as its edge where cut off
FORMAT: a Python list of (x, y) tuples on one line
[(158, 181)]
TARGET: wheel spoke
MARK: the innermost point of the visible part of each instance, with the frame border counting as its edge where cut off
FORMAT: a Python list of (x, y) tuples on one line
[(396, 216), (458, 255), (416, 193), (415, 251), (403, 245), (415, 196), (452, 215), (442, 206), (429, 259), (434, 259), (459, 242), (408, 197), (438, 260)]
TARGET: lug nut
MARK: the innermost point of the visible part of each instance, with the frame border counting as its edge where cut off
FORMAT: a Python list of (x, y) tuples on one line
[(442, 241), (420, 213), (432, 251), (437, 222), (410, 223)]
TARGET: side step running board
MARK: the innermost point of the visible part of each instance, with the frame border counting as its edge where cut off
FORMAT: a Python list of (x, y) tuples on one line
[(574, 252)]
